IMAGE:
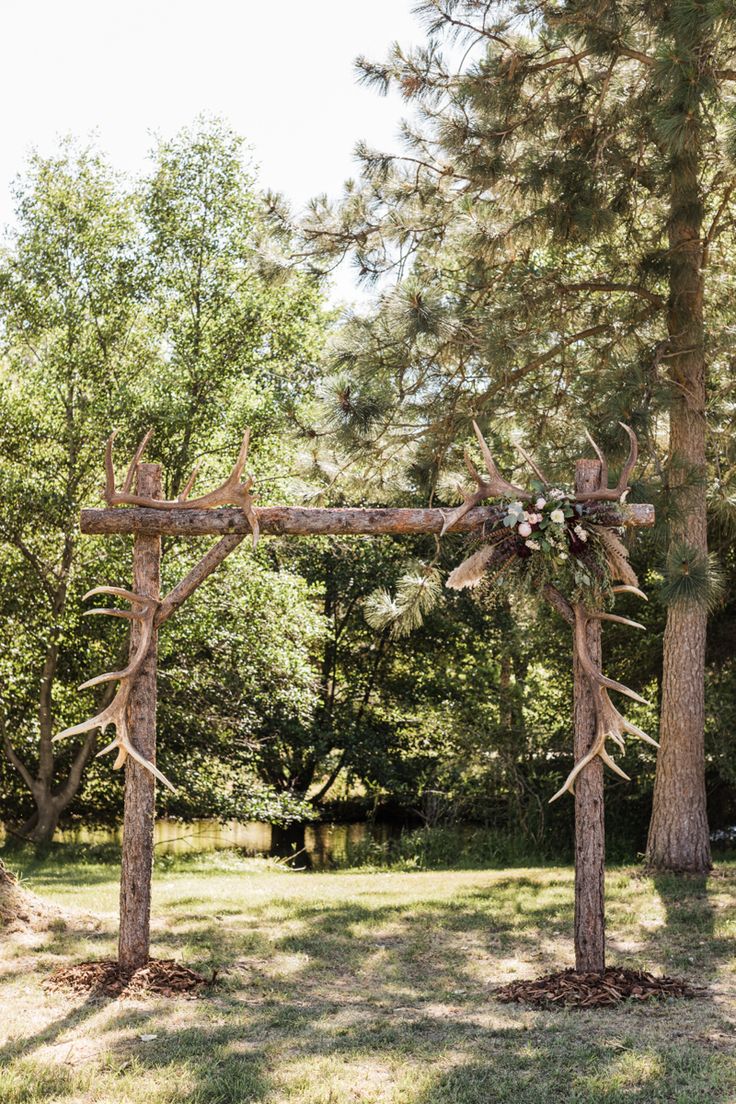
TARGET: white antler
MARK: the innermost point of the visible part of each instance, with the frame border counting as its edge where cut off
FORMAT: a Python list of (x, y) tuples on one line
[(494, 487), (609, 723), (604, 492), (498, 487), (233, 492), (116, 712)]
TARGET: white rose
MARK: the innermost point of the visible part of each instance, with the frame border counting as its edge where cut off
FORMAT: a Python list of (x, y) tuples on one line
[(540, 503), (557, 517), (525, 529)]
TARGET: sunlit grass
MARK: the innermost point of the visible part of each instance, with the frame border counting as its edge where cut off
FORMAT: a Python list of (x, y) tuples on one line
[(369, 987)]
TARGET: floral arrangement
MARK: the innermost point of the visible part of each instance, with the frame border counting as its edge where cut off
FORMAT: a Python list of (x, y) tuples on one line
[(553, 537)]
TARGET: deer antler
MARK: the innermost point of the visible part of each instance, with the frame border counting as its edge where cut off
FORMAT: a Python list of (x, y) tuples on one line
[(533, 465), (606, 493), (233, 492), (116, 712), (495, 487), (608, 721), (498, 487)]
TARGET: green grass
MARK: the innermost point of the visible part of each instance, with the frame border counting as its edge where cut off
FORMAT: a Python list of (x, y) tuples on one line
[(348, 987)]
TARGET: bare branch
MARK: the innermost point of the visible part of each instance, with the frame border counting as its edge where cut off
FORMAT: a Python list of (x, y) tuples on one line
[(14, 759)]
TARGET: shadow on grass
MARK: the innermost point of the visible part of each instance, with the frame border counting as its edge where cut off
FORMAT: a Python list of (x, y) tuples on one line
[(690, 941), (74, 1018), (320, 994), (311, 1051), (431, 946)]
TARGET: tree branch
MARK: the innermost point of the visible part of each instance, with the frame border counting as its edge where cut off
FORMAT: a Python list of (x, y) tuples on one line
[(14, 759), (550, 354), (83, 756), (602, 285)]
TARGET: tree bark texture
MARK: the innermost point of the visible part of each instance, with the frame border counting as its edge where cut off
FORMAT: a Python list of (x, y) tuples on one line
[(678, 832), (590, 837), (303, 521), (140, 787)]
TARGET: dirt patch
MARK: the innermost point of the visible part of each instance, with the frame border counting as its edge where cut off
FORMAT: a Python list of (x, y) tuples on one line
[(614, 985), (20, 910), (161, 977)]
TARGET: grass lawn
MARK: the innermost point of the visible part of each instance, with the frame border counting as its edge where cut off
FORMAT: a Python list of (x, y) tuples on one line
[(369, 987)]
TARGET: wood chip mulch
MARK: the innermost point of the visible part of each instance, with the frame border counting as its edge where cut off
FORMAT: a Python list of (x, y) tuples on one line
[(161, 977), (614, 985)]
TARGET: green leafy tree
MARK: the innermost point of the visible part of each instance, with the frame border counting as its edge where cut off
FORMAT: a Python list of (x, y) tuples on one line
[(565, 189), (240, 328), (165, 307), (70, 294)]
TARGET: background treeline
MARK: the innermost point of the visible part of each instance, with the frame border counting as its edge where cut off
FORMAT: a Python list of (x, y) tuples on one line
[(314, 677)]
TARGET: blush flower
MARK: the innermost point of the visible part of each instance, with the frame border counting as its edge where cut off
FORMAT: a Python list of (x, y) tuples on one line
[(534, 545), (525, 529), (540, 503)]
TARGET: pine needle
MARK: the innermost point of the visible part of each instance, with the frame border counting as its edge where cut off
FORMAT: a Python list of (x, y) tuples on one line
[(417, 593), (692, 578)]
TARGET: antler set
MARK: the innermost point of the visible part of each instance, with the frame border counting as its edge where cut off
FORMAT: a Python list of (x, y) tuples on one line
[(609, 722), (233, 492), (498, 487), (116, 712)]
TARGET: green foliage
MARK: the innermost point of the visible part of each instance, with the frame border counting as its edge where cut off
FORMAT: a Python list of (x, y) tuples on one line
[(439, 848), (527, 228), (691, 578), (417, 592), (159, 306)]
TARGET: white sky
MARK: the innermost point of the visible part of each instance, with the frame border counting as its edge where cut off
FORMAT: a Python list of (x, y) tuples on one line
[(281, 74)]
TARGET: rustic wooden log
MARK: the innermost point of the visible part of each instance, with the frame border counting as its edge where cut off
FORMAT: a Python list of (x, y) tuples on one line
[(304, 520), (590, 838), (140, 785)]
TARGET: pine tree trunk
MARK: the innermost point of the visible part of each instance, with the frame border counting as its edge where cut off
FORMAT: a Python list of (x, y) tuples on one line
[(590, 832), (678, 832), (140, 790)]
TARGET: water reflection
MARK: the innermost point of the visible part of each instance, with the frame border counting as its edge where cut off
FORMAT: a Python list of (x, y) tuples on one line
[(308, 845)]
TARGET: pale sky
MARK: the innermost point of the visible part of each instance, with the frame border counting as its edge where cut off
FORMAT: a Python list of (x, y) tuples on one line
[(281, 74)]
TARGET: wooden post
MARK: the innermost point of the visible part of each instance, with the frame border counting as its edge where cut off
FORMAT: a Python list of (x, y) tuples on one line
[(140, 786), (590, 838)]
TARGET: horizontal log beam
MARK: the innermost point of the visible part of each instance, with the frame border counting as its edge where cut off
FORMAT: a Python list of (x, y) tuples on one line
[(302, 521)]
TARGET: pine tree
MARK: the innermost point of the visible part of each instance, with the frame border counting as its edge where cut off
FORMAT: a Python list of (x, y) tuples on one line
[(564, 189)]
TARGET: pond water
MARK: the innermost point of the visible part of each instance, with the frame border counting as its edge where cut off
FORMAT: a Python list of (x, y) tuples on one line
[(309, 845)]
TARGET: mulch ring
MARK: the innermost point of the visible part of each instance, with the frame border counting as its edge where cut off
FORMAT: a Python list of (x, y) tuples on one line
[(593, 990), (161, 977)]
